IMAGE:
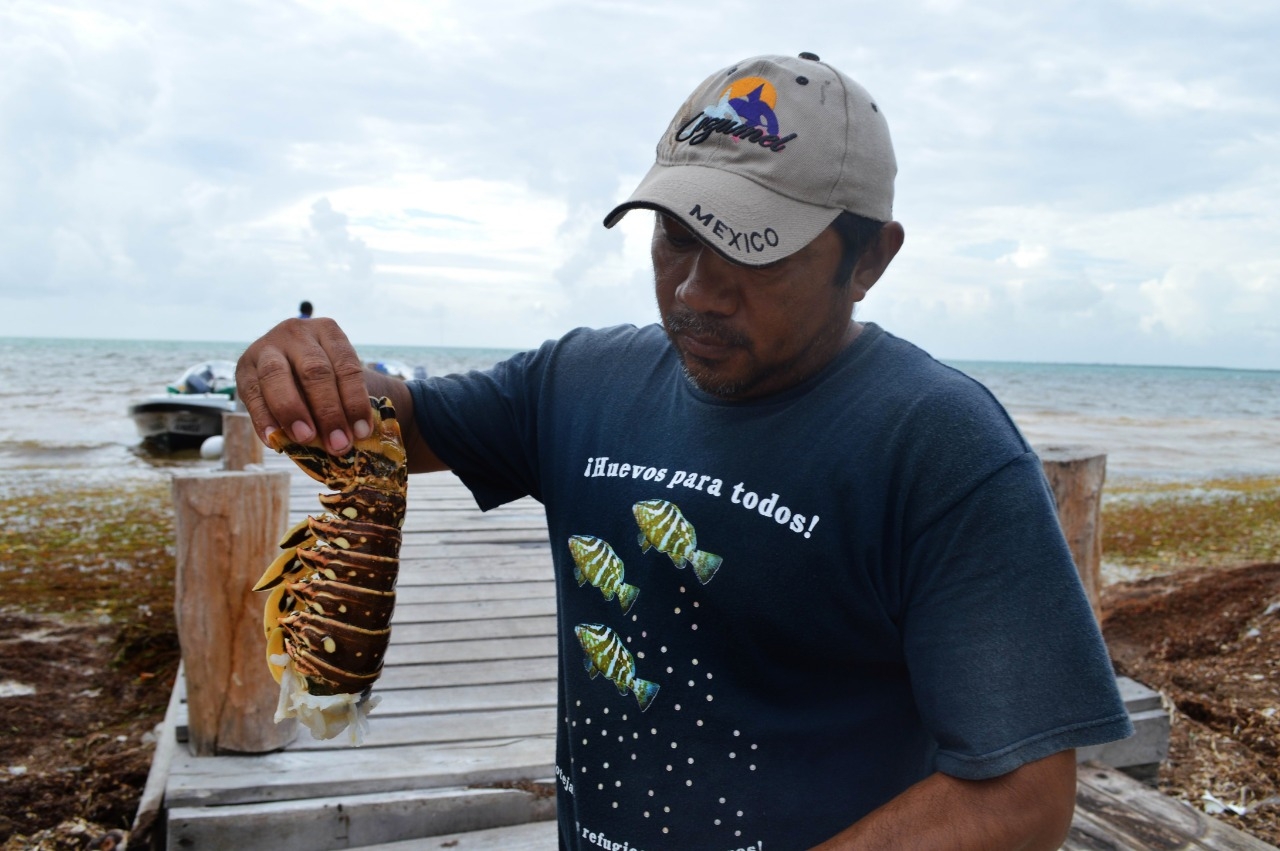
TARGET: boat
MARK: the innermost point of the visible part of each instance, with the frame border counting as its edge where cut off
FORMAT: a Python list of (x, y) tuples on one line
[(191, 409), (397, 369)]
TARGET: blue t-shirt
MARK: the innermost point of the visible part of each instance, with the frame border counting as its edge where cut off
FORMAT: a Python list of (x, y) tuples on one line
[(776, 615)]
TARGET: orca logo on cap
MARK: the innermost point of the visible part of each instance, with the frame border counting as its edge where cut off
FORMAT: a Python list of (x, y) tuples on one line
[(745, 110)]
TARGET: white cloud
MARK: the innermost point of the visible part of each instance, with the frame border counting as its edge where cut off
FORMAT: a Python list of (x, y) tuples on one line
[(1175, 303), (1151, 92), (333, 241), (1026, 256)]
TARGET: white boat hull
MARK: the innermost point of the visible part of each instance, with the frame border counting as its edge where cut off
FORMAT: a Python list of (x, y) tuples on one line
[(180, 421)]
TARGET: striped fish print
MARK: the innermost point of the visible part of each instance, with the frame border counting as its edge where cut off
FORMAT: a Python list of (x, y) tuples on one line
[(663, 527), (595, 561), (606, 654)]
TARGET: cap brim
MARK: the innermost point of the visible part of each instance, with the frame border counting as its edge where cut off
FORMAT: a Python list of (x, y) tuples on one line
[(740, 219)]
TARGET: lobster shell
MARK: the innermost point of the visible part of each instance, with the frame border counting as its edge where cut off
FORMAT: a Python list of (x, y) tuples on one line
[(328, 617)]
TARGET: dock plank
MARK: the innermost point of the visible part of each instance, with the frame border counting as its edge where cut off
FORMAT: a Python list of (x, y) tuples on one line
[(1130, 809), (348, 820), (472, 610), (444, 674), (435, 592), (536, 836), (473, 630), (299, 775), (433, 644), (439, 700)]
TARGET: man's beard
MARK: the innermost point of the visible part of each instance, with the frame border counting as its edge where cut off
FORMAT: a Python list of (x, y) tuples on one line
[(687, 321), (684, 321)]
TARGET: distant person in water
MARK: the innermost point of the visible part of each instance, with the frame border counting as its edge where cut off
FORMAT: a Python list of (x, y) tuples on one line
[(304, 310)]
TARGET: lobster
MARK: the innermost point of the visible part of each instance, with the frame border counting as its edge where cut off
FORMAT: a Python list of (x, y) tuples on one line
[(328, 617)]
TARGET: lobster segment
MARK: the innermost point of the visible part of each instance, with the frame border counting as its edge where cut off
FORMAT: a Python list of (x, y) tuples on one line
[(327, 618), (359, 568), (368, 506)]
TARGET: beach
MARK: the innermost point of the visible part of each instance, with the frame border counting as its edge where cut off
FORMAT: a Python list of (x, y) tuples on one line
[(87, 654)]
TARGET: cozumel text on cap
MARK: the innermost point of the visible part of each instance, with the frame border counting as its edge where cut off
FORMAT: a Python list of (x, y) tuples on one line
[(745, 130)]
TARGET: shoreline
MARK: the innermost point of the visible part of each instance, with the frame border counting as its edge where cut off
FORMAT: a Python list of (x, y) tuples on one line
[(1152, 528)]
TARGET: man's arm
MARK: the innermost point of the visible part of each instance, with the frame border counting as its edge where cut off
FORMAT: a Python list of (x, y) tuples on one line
[(1029, 808), (305, 377)]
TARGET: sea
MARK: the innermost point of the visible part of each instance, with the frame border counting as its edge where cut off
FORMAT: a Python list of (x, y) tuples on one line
[(64, 420)]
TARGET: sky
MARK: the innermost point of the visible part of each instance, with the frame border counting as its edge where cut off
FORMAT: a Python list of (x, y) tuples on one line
[(1093, 181)]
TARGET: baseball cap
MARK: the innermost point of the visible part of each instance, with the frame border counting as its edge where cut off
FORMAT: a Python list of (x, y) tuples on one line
[(765, 154)]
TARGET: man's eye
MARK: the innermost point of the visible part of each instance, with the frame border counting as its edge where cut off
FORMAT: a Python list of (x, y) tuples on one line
[(676, 235)]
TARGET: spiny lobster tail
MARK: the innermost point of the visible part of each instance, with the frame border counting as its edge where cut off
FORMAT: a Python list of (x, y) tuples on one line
[(328, 616)]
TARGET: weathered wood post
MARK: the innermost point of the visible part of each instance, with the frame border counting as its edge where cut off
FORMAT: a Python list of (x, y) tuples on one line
[(1076, 475), (229, 526), (240, 445)]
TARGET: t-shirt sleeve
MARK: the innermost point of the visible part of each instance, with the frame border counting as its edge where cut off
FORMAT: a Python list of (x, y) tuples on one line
[(483, 425), (1005, 657)]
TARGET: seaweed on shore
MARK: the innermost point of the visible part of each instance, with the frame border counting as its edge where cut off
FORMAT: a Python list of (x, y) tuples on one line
[(89, 552), (1161, 527), (86, 623)]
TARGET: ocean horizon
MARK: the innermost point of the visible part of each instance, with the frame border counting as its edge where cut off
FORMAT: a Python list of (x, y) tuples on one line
[(239, 346), (64, 417)]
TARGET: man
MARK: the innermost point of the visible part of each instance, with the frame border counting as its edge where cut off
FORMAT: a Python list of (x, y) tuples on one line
[(304, 310), (811, 586)]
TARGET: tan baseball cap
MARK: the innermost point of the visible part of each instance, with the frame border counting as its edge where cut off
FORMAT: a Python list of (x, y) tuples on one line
[(765, 154)]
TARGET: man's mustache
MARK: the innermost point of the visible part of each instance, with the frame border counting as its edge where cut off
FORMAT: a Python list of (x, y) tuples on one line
[(698, 325)]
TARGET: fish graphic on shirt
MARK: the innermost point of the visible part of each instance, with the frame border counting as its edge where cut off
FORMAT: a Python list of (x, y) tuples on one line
[(606, 654), (595, 561), (663, 526)]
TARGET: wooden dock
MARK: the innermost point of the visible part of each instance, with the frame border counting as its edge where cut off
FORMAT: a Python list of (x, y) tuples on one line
[(463, 738), (462, 747)]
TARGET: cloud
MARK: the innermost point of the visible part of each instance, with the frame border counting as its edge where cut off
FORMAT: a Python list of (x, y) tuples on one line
[(1199, 303), (1025, 256), (334, 244), (1070, 173), (1174, 303)]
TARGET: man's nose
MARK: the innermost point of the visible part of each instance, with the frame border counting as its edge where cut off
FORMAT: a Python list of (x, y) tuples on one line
[(710, 285)]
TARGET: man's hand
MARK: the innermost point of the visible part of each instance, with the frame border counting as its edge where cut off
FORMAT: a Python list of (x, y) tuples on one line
[(304, 376)]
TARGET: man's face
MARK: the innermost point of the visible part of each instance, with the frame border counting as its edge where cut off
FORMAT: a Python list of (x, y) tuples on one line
[(744, 332)]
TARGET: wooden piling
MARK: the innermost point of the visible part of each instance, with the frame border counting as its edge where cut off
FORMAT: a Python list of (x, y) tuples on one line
[(229, 526), (240, 444), (1076, 475)]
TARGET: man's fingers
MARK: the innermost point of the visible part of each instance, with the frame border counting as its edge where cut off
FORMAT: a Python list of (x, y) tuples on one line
[(352, 389), (282, 400), (303, 376), (330, 375), (249, 392)]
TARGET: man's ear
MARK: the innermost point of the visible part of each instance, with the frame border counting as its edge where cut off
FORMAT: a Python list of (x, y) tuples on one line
[(876, 258)]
